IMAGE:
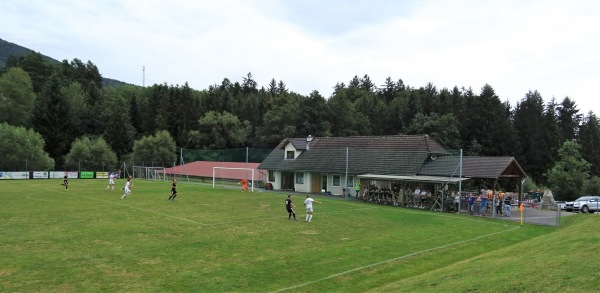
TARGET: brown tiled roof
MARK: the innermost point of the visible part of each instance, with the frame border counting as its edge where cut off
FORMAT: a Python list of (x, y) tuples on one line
[(473, 167), (405, 143), (205, 169), (298, 143), (385, 155)]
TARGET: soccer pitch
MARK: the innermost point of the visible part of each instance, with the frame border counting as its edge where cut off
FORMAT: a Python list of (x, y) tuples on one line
[(222, 240)]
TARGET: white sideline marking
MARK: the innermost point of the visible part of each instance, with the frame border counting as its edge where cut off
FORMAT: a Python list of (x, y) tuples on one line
[(391, 260)]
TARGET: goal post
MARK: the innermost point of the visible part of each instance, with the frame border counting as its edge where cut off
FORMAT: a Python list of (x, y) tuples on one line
[(235, 175), (150, 173)]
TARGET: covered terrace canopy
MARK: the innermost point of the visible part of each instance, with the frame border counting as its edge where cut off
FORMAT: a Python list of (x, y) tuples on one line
[(435, 198), (449, 170), (484, 170), (415, 178), (446, 170)]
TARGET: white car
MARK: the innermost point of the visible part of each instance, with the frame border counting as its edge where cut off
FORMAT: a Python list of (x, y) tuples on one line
[(587, 204), (561, 204)]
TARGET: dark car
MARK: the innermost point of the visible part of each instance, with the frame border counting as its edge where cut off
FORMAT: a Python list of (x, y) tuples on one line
[(569, 206)]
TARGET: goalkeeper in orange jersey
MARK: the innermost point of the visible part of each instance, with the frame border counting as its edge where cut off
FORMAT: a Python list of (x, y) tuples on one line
[(244, 183)]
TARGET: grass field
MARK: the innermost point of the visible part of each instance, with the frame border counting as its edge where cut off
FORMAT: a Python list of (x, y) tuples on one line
[(222, 240)]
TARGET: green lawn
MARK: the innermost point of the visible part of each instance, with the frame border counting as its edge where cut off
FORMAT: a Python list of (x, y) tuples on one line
[(222, 240)]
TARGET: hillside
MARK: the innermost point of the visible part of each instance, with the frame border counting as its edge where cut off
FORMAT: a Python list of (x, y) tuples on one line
[(8, 49)]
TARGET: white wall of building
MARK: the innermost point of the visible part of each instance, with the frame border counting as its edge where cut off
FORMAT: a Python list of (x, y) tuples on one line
[(305, 185), (290, 147), (277, 182), (339, 179)]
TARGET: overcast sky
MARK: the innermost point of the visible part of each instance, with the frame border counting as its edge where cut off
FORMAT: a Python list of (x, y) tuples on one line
[(515, 46)]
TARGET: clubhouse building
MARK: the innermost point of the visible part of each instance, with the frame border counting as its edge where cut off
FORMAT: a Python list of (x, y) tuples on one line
[(334, 165)]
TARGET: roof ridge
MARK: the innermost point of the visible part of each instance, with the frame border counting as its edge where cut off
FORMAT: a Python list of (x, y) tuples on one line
[(363, 136)]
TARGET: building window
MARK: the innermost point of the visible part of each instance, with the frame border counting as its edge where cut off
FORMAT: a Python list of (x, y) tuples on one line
[(336, 180), (289, 155), (299, 178), (350, 181), (271, 176)]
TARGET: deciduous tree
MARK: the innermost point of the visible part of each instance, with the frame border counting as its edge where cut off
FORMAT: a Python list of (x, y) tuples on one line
[(569, 173), (281, 120), (220, 131), (38, 68), (90, 154), (17, 99), (443, 129), (22, 150), (157, 149)]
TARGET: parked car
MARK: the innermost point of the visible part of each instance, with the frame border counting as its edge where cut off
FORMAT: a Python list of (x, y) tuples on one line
[(586, 204), (569, 206), (561, 204)]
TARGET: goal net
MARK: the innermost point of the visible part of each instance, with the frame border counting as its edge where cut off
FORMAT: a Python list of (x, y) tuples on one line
[(150, 173), (230, 177)]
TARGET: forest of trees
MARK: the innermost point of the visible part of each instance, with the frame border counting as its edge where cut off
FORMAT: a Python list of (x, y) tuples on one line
[(68, 106)]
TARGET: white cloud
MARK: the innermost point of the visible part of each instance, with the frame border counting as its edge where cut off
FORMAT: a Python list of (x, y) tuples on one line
[(515, 46)]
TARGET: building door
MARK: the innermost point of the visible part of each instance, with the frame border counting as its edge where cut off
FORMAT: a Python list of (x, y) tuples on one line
[(287, 181), (315, 183), (324, 182)]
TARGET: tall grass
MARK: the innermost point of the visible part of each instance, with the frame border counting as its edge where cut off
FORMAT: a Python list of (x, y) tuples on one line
[(222, 240)]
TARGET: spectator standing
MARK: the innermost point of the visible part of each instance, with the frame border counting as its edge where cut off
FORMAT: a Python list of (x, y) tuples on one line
[(471, 203), (456, 200), (499, 203), (478, 204), (484, 200), (507, 199)]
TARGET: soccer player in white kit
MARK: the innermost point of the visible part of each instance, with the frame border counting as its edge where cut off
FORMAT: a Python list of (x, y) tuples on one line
[(127, 188), (309, 209), (111, 181)]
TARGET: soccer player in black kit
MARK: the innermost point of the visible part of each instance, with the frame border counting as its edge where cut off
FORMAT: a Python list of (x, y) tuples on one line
[(289, 206), (66, 181), (173, 191)]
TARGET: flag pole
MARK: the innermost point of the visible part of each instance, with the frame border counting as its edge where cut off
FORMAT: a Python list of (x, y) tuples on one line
[(521, 210)]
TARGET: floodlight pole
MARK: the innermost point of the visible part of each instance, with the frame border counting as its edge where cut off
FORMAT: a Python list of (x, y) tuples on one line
[(459, 180), (346, 183), (180, 163)]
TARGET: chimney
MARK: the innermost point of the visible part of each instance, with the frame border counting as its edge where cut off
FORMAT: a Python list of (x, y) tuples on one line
[(308, 140)]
